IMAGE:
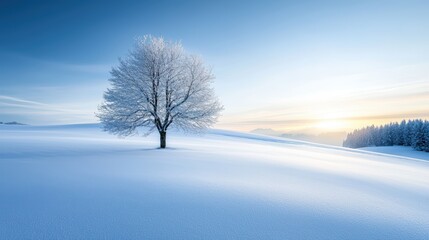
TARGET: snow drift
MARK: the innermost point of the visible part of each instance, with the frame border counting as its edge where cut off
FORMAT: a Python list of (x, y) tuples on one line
[(76, 182)]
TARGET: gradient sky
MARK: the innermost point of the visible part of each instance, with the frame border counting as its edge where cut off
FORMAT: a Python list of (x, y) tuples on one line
[(287, 65)]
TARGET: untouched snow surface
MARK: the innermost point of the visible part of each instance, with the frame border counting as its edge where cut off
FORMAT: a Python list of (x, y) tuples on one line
[(399, 150), (76, 182)]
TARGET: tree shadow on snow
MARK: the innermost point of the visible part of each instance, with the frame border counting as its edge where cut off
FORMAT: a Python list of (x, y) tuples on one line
[(153, 149)]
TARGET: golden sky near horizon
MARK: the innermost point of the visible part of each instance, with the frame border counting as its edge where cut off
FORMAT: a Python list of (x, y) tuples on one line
[(336, 112)]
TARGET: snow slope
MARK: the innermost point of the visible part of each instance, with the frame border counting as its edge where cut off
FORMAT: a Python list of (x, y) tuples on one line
[(403, 151), (76, 182)]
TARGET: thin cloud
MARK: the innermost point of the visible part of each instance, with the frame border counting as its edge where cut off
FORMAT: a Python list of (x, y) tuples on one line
[(4, 98), (42, 112)]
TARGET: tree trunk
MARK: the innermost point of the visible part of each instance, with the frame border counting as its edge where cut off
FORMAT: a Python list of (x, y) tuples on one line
[(163, 139)]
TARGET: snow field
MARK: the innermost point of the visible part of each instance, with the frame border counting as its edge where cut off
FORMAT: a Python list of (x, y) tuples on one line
[(76, 182)]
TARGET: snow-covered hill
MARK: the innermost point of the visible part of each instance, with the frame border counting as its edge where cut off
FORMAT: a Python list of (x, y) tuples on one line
[(76, 182), (404, 151)]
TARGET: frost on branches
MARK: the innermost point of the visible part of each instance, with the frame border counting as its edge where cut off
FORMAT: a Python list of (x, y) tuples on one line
[(159, 86), (414, 133)]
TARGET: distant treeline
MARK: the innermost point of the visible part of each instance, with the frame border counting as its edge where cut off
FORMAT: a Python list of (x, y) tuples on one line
[(414, 133)]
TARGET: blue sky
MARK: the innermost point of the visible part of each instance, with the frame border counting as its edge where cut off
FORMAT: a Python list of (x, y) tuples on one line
[(286, 65)]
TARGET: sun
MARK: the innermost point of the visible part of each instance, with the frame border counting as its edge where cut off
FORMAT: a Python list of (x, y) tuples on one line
[(331, 125)]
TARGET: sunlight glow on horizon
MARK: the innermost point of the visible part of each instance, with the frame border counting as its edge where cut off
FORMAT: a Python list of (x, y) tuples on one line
[(331, 125), (337, 113)]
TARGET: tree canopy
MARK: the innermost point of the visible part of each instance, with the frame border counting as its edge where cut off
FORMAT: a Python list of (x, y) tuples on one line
[(157, 86)]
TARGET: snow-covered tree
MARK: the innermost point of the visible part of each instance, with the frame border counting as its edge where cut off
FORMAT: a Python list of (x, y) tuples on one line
[(414, 133), (426, 136), (418, 140), (159, 86), (402, 132)]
